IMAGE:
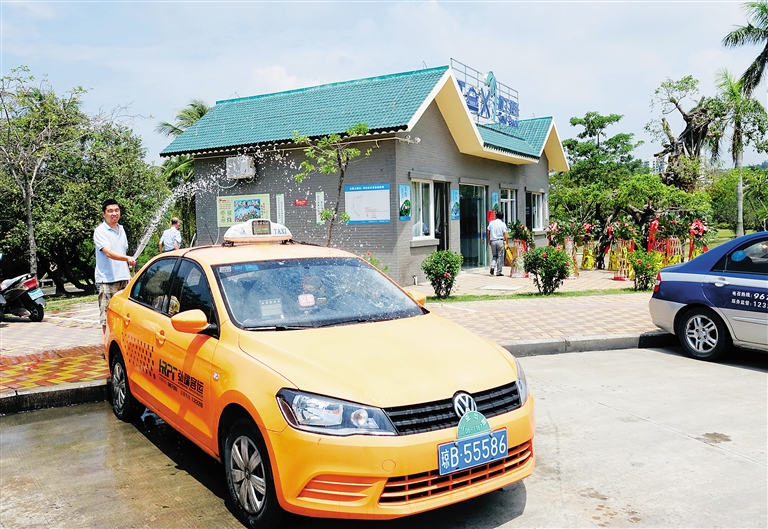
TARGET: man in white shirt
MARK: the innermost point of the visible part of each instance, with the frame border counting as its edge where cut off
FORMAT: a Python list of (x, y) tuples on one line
[(112, 273), (171, 238), (497, 238)]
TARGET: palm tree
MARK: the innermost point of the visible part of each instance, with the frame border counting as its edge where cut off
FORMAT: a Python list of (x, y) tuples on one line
[(747, 120), (179, 169), (754, 33)]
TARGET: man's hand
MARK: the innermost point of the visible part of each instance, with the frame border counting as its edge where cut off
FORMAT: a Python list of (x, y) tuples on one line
[(131, 262)]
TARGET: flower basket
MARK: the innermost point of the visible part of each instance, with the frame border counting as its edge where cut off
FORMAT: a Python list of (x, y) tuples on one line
[(516, 251), (588, 256), (623, 271)]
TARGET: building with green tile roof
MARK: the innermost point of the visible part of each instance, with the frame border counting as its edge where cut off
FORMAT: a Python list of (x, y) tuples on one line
[(426, 146)]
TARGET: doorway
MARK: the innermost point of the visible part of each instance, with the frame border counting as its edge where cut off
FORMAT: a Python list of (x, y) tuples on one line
[(472, 225), (442, 194)]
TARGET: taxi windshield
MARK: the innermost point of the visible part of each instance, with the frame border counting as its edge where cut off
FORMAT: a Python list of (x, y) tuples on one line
[(308, 293)]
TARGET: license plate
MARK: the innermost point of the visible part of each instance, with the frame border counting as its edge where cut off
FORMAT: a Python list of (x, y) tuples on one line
[(35, 293), (472, 451)]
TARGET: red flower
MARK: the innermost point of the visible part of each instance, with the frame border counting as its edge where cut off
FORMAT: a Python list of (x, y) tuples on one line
[(649, 265), (544, 255), (447, 274), (558, 247), (639, 261)]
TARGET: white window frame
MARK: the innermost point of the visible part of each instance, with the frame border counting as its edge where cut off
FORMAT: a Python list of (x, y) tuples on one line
[(509, 204), (416, 198), (538, 210)]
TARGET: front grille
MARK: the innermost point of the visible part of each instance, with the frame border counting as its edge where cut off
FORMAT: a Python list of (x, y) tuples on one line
[(405, 489), (439, 414)]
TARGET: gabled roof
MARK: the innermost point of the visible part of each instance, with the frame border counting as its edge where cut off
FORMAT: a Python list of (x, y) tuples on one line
[(387, 104)]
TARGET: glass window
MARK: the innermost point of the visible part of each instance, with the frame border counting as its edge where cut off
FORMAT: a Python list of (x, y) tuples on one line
[(534, 210), (421, 209), (509, 205), (191, 291), (751, 258), (307, 293), (152, 286)]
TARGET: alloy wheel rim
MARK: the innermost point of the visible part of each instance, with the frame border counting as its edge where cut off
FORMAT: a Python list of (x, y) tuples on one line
[(248, 475), (701, 334), (118, 386)]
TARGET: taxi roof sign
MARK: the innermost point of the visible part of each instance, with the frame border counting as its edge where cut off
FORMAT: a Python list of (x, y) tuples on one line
[(255, 231)]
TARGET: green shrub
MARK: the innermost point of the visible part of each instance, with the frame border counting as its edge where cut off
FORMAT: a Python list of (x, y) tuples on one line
[(645, 265), (442, 268), (375, 261), (548, 266)]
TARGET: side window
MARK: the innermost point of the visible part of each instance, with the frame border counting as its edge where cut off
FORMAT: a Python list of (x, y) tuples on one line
[(191, 291), (152, 286), (749, 259)]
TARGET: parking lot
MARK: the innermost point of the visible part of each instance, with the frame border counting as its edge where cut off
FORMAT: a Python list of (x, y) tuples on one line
[(628, 438)]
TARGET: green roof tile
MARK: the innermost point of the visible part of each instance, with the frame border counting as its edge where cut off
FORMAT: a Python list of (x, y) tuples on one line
[(385, 103), (527, 139)]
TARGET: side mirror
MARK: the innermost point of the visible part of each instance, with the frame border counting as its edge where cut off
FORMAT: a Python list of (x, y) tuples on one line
[(191, 321), (417, 296)]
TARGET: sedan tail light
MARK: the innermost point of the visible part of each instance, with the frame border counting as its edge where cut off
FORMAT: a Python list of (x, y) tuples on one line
[(658, 282)]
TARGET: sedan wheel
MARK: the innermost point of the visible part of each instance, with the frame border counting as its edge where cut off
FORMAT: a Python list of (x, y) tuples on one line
[(124, 404), (249, 476), (703, 334)]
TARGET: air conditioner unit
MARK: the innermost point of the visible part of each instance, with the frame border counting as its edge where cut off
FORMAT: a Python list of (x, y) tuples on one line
[(240, 167)]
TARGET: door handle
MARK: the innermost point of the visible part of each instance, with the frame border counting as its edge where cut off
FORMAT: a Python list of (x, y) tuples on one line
[(127, 319), (719, 282), (160, 337)]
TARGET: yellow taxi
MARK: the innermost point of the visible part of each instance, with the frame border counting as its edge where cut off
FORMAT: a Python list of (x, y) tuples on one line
[(322, 387)]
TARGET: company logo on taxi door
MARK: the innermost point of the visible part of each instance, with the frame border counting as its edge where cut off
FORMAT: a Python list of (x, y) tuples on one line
[(462, 403), (188, 387)]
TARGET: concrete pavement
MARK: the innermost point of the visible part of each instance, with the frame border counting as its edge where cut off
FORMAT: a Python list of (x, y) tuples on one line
[(59, 361)]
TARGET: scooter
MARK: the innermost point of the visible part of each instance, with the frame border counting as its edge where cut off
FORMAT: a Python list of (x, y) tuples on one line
[(22, 297)]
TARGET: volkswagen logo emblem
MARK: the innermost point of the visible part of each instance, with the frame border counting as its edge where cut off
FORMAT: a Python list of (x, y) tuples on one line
[(462, 403)]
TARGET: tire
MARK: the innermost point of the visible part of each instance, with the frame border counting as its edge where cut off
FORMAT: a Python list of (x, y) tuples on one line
[(703, 334), (124, 404), (249, 477), (36, 311)]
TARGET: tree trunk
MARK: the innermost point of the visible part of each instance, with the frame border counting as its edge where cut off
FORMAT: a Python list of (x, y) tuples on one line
[(28, 192), (738, 156), (342, 170)]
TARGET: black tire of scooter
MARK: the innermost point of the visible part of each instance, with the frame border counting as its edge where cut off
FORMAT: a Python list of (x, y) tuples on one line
[(36, 312)]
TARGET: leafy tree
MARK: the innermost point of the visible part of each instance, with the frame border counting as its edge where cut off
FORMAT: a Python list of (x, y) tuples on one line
[(587, 193), (684, 152), (747, 121), (332, 154), (754, 33), (179, 170), (722, 192), (36, 126)]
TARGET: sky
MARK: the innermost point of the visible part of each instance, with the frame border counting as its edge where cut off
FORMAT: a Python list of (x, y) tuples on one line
[(564, 58)]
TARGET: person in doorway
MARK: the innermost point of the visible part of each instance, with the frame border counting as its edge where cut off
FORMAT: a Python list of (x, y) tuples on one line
[(171, 238), (112, 262), (497, 238)]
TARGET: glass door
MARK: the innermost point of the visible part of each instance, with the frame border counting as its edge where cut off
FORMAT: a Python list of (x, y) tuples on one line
[(472, 226)]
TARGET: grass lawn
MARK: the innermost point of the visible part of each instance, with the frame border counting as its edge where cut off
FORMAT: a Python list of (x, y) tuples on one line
[(63, 302), (533, 295)]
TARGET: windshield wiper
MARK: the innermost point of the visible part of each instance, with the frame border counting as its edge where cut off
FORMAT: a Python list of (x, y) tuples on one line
[(276, 327)]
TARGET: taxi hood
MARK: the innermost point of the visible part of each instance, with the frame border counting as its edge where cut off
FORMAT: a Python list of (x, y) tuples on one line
[(384, 364)]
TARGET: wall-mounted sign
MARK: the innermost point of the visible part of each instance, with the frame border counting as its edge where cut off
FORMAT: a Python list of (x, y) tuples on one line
[(235, 209), (404, 191), (280, 208), (455, 205), (494, 201), (319, 206), (367, 203), (486, 98), (300, 202)]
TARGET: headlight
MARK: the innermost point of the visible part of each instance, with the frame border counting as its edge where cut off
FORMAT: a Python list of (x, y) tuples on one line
[(325, 415), (522, 384)]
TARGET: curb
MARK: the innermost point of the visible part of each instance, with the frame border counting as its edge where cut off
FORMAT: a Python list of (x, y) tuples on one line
[(60, 395), (553, 346), (16, 401)]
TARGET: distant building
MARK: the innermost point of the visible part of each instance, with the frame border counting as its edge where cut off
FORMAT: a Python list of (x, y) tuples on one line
[(447, 147), (657, 164)]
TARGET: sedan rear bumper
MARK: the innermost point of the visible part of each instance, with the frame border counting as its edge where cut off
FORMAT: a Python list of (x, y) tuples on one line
[(663, 313)]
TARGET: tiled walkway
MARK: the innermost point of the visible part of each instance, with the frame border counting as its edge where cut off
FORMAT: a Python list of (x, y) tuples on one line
[(67, 346)]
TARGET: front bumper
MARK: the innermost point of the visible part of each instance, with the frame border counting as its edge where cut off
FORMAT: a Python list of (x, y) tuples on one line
[(377, 477)]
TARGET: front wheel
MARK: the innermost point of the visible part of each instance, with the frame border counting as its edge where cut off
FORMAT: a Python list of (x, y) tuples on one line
[(703, 334), (249, 477), (36, 311), (124, 404)]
